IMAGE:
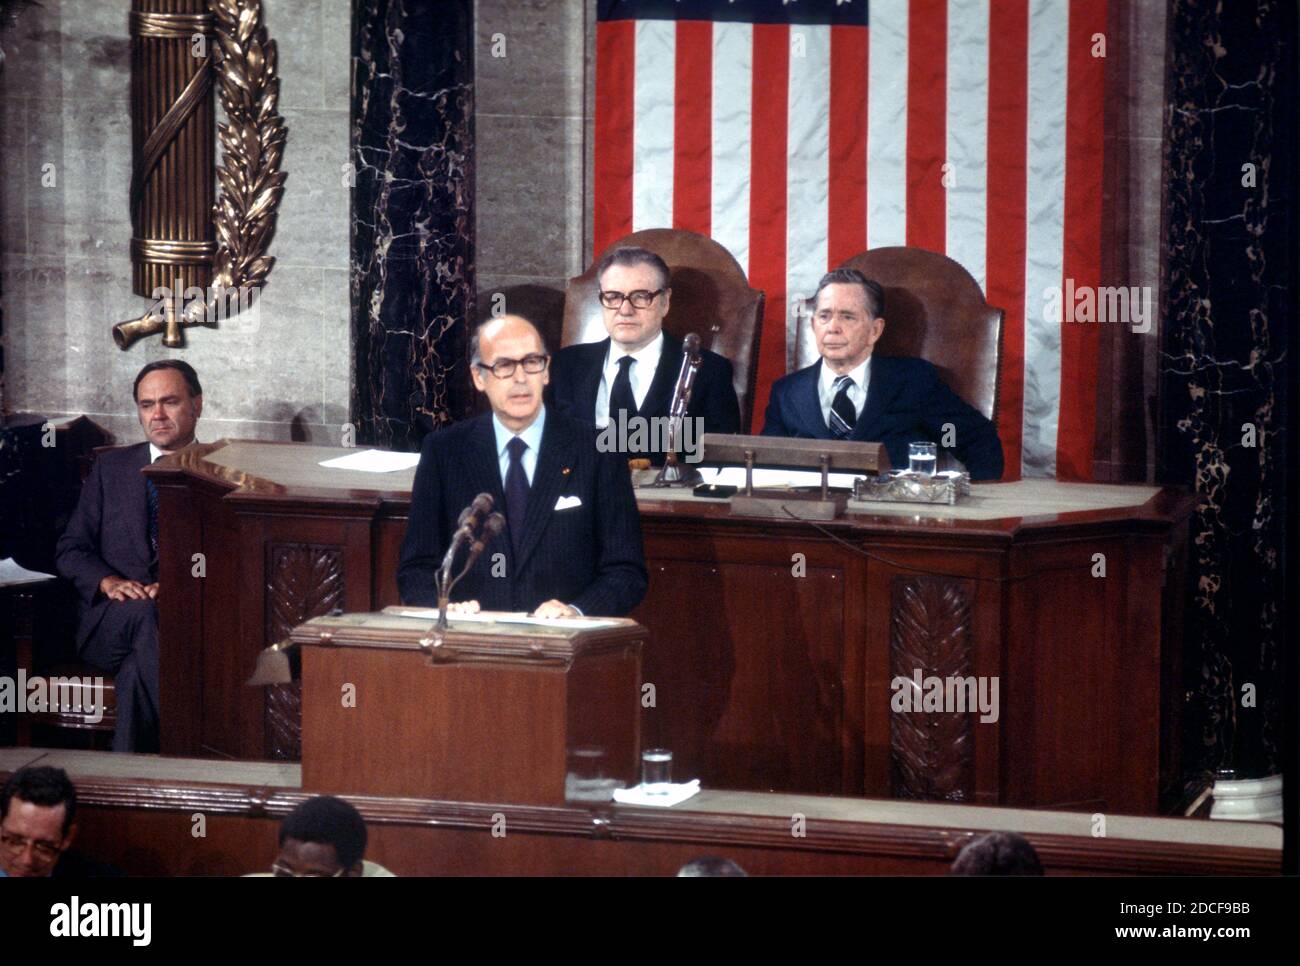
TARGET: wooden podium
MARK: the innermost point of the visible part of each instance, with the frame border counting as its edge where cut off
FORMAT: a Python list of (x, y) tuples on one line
[(508, 712)]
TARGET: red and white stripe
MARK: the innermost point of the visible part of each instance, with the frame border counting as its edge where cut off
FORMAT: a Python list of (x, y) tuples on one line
[(971, 127)]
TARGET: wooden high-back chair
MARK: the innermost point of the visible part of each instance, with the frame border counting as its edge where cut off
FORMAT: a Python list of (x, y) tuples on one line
[(934, 310), (711, 297)]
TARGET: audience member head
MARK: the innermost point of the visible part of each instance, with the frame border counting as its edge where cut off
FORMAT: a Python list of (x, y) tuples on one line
[(322, 838), (38, 810), (634, 293), (848, 318), (997, 853), (709, 866), (510, 366), (168, 401)]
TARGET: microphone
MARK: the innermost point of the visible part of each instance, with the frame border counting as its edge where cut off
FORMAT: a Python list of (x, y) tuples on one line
[(470, 516), (670, 474), (466, 523), (492, 526)]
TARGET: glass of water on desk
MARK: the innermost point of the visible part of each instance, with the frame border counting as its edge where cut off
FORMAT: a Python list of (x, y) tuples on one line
[(657, 771), (922, 458)]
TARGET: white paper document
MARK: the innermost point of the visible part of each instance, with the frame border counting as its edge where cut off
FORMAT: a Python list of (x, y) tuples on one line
[(11, 572), (373, 461), (512, 617), (735, 476), (675, 795)]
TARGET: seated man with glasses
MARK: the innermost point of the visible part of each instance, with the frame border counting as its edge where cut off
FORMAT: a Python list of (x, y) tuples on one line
[(572, 541), (38, 810), (324, 838), (635, 370)]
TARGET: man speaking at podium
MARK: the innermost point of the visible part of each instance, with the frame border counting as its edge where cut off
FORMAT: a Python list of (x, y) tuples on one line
[(572, 542)]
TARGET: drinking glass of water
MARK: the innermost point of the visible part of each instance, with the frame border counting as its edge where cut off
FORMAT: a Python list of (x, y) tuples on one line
[(657, 771), (922, 458)]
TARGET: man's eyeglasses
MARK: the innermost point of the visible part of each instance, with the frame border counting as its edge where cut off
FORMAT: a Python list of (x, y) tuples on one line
[(16, 845), (640, 299), (282, 871), (505, 368)]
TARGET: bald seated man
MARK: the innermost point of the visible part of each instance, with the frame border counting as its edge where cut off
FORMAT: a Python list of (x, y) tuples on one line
[(572, 542)]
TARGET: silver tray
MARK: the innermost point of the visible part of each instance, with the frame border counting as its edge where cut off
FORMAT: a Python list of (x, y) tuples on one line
[(903, 486)]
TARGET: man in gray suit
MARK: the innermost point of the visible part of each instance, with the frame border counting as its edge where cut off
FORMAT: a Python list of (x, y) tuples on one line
[(110, 550)]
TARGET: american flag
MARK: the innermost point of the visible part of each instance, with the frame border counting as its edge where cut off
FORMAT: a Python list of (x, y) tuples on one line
[(800, 133)]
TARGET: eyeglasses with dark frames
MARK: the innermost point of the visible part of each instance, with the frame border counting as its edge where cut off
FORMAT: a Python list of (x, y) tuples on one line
[(505, 368), (17, 844), (640, 299), (281, 871)]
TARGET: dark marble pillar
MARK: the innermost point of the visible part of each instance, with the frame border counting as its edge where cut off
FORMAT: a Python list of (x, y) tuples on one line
[(1227, 283), (412, 216)]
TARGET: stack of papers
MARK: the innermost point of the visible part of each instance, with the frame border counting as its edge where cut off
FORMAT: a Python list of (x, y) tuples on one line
[(675, 795), (503, 617), (373, 461), (11, 573), (735, 476)]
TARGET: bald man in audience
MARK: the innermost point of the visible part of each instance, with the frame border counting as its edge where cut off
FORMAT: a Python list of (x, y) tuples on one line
[(572, 542)]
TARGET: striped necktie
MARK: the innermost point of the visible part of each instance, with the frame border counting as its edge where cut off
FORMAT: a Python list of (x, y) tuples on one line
[(151, 499), (843, 415)]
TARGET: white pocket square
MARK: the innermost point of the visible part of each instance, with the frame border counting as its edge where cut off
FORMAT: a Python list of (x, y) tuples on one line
[(565, 502)]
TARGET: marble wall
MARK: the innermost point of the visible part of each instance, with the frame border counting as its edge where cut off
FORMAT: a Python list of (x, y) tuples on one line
[(1230, 230), (413, 230), (65, 273), (533, 128)]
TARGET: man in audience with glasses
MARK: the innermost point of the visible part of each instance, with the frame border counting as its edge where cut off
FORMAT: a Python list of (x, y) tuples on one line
[(38, 811), (323, 838), (571, 545), (629, 378)]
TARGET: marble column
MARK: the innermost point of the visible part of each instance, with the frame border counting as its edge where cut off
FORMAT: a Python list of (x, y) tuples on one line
[(412, 216), (1227, 286)]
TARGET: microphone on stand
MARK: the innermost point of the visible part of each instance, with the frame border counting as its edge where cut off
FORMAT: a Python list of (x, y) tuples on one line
[(671, 474), (466, 524), (492, 526)]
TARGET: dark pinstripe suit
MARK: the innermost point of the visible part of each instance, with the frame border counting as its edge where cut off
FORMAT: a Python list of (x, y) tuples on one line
[(587, 555), (109, 534)]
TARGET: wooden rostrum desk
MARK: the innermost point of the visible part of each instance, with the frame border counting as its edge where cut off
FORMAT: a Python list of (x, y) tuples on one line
[(137, 813), (772, 644)]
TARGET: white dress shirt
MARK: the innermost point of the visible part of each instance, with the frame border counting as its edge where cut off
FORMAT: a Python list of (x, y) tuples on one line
[(532, 436), (861, 376), (644, 363)]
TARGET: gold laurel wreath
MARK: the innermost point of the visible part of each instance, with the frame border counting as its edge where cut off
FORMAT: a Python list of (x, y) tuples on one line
[(252, 183)]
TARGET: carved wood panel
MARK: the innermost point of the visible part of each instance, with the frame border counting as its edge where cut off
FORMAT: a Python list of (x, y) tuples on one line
[(302, 581), (931, 748)]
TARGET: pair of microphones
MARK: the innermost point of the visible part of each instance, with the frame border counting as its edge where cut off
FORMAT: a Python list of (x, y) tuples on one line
[(477, 524)]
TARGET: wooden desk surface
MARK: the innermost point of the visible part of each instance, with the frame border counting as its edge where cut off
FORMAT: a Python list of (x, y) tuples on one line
[(99, 770), (773, 643), (292, 471)]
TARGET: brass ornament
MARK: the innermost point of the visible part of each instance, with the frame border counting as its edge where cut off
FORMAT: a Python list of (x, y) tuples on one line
[(252, 183)]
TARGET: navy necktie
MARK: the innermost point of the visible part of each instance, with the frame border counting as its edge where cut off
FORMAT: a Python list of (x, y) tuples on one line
[(151, 497), (843, 415), (516, 493), (620, 394)]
